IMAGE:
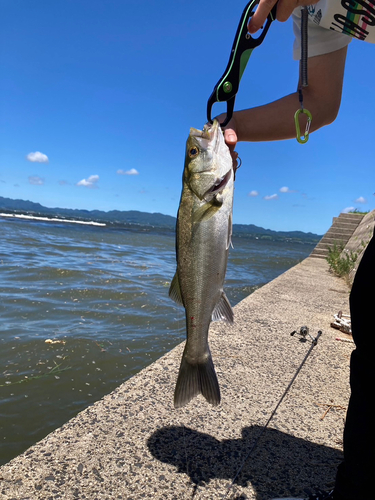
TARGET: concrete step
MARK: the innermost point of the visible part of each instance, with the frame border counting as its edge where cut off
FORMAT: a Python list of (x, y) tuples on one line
[(344, 225), (335, 239), (348, 222), (350, 217), (358, 217), (338, 234), (321, 249), (319, 255), (330, 244)]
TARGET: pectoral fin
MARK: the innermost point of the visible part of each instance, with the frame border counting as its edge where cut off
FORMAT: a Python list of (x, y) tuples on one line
[(223, 310), (175, 291), (205, 212)]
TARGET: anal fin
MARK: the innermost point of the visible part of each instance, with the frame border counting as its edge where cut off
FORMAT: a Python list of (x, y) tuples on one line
[(175, 291), (223, 310)]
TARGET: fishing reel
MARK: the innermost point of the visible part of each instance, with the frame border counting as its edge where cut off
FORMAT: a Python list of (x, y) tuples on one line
[(304, 332)]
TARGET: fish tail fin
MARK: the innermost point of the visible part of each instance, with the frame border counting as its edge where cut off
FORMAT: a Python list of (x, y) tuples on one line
[(196, 378)]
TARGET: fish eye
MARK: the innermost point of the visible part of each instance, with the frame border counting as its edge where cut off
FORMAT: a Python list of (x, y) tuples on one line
[(193, 152)]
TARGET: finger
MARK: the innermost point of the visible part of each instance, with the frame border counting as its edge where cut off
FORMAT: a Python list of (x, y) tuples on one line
[(230, 137), (285, 8), (260, 15), (231, 140)]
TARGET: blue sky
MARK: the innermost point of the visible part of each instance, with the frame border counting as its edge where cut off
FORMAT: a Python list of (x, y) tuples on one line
[(97, 98)]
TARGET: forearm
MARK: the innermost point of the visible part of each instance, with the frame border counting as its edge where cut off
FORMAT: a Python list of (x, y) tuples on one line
[(275, 121)]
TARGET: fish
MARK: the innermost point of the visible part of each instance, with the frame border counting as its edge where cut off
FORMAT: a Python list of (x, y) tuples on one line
[(203, 238)]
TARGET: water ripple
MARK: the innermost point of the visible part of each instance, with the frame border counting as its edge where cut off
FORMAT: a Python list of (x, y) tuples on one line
[(85, 308)]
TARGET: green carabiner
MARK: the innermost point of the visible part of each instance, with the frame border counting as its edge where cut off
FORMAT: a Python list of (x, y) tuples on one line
[(305, 138)]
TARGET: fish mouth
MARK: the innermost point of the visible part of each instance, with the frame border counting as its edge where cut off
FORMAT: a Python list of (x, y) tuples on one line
[(218, 186), (208, 139), (209, 132)]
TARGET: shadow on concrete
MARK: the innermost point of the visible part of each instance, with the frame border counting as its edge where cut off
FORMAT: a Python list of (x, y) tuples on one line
[(279, 465)]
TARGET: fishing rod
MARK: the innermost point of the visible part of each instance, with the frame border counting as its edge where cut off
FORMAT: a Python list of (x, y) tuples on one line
[(304, 334)]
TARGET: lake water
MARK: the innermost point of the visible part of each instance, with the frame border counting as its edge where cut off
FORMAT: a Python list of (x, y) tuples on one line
[(83, 308)]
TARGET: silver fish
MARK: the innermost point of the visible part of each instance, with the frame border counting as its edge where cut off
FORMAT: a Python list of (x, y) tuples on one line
[(203, 237)]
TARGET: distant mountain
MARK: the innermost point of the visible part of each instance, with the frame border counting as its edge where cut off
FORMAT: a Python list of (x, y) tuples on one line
[(145, 219), (251, 229), (113, 217)]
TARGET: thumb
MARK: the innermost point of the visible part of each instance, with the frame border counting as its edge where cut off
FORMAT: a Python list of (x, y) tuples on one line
[(230, 137)]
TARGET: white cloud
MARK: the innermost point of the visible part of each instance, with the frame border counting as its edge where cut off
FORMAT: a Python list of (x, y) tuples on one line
[(90, 182), (361, 199), (285, 189), (347, 209), (132, 171), (37, 157), (253, 193), (35, 180), (271, 197)]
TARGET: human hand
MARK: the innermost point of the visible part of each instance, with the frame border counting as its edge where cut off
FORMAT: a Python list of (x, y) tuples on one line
[(230, 136), (283, 11)]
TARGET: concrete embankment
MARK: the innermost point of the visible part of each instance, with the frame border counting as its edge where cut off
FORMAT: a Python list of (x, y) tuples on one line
[(132, 444), (359, 240)]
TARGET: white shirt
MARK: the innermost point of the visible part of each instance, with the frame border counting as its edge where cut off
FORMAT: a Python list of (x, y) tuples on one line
[(333, 23)]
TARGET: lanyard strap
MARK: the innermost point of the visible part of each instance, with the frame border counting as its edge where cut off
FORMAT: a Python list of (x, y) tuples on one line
[(303, 81)]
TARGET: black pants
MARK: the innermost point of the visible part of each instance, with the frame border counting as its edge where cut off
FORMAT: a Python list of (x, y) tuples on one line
[(355, 477)]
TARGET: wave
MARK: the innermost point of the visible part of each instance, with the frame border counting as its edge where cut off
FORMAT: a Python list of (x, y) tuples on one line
[(52, 219)]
